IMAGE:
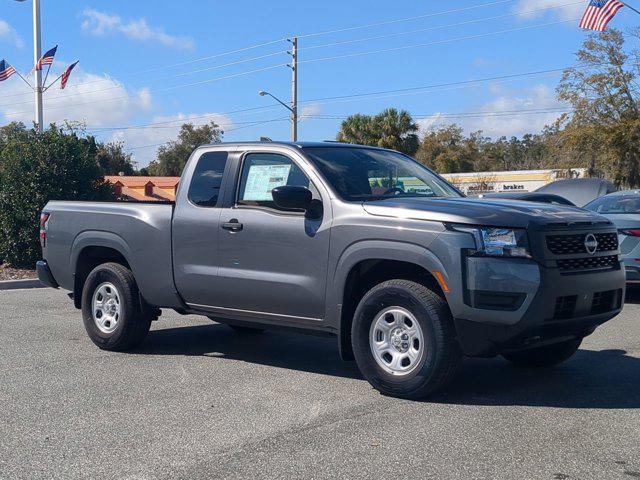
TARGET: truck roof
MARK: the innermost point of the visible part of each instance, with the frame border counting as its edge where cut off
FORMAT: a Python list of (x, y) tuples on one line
[(293, 144)]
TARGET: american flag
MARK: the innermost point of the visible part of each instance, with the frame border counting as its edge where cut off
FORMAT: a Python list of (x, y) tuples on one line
[(47, 58), (6, 70), (65, 75), (599, 13)]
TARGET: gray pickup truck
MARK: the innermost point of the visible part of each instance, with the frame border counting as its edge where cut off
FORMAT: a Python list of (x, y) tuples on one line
[(359, 243)]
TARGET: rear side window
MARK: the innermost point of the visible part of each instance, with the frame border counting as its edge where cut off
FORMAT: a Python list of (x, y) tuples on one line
[(207, 179), (262, 172)]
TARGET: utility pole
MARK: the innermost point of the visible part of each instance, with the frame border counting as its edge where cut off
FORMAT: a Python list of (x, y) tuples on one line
[(37, 52), (294, 89)]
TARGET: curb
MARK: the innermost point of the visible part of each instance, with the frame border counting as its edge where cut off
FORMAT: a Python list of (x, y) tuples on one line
[(20, 284)]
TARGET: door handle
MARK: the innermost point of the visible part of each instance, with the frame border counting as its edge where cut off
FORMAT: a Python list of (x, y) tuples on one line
[(232, 225)]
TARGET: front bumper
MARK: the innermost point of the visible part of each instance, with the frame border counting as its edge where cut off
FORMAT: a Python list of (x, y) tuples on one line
[(44, 274), (562, 307)]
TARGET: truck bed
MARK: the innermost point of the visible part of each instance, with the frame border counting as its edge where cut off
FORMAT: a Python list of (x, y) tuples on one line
[(141, 231)]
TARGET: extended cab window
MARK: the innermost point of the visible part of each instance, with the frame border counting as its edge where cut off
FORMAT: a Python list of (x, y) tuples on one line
[(207, 179), (262, 172)]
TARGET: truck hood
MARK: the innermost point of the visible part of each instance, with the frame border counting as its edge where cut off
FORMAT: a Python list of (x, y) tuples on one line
[(498, 213)]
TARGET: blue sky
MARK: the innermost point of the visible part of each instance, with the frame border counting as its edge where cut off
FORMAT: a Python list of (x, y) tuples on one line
[(149, 62)]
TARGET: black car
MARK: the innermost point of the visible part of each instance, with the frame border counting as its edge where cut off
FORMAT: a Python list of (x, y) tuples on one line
[(530, 197), (580, 191)]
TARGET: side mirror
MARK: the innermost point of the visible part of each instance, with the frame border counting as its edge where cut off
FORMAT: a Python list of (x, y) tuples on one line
[(292, 198)]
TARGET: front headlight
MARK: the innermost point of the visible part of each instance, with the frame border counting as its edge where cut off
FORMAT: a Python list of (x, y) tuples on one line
[(503, 242), (497, 242)]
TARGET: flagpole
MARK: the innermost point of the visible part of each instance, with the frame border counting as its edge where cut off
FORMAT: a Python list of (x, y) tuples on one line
[(38, 73), (631, 8), (24, 79), (53, 83), (44, 82)]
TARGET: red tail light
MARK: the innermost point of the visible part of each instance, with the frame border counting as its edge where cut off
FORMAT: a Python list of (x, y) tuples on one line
[(44, 218), (634, 232)]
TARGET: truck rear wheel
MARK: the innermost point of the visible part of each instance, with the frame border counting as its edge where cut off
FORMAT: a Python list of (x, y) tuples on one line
[(404, 340), (111, 308), (545, 356)]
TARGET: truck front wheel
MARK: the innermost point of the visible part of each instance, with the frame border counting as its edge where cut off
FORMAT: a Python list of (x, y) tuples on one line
[(544, 356), (111, 308), (404, 340)]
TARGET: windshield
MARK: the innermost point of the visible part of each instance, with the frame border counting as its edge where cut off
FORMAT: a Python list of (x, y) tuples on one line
[(617, 204), (359, 174)]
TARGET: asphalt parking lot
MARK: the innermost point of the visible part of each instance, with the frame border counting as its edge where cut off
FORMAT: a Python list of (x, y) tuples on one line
[(199, 401)]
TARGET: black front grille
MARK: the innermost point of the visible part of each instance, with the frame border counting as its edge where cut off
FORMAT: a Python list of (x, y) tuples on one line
[(588, 263), (565, 307), (574, 244)]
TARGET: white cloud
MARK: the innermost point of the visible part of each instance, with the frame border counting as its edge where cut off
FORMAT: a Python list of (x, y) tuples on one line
[(308, 110), (165, 129), (564, 12), (96, 100), (8, 33), (534, 102), (101, 23)]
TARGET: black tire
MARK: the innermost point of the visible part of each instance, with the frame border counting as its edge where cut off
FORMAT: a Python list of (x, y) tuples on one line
[(242, 330), (134, 320), (441, 358), (548, 356)]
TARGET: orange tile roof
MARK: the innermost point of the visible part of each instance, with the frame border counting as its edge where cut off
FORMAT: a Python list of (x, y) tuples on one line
[(157, 188), (136, 181)]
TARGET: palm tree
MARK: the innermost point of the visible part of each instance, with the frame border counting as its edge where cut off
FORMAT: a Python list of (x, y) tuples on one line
[(390, 129)]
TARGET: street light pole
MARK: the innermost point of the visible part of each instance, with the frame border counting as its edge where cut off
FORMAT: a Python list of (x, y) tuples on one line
[(37, 52)]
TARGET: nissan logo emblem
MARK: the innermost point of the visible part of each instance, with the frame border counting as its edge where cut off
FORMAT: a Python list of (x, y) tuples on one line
[(591, 243)]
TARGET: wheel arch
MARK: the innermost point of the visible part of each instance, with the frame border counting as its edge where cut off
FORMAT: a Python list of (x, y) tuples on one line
[(91, 249), (366, 264)]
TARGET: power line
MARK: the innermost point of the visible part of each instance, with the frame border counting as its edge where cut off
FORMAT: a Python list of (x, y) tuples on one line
[(407, 19), (438, 42), (438, 27), (230, 130), (496, 113), (438, 85), (479, 114), (211, 80), (335, 57), (356, 96), (120, 86), (251, 47)]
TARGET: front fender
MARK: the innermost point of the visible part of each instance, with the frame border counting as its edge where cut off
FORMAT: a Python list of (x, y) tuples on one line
[(375, 250)]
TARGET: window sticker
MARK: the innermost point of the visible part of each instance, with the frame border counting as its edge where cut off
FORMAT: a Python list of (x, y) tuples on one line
[(264, 178)]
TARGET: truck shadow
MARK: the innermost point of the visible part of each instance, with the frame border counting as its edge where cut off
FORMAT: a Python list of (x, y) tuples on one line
[(591, 379), (274, 348)]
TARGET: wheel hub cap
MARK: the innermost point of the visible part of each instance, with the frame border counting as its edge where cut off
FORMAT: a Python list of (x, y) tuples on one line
[(400, 340), (396, 341), (106, 307)]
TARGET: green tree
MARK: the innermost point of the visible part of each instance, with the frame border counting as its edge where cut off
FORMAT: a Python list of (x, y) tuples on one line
[(389, 129), (113, 160), (173, 156), (446, 151), (604, 129), (37, 168)]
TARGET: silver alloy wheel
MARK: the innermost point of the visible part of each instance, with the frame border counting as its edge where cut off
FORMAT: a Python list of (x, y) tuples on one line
[(106, 307), (396, 341)]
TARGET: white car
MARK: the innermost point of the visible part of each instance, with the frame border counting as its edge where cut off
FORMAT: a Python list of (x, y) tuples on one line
[(623, 209)]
